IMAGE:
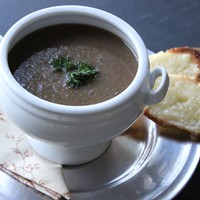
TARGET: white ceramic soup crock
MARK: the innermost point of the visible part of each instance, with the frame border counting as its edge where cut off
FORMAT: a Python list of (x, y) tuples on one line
[(76, 134)]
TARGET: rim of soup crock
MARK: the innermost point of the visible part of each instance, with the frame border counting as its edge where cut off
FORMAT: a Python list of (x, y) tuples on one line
[(117, 101)]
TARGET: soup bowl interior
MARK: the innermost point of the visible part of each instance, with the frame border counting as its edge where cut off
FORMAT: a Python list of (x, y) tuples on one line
[(77, 134)]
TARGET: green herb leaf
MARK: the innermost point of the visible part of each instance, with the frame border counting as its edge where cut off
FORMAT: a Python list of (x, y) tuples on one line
[(82, 75), (79, 73), (63, 62)]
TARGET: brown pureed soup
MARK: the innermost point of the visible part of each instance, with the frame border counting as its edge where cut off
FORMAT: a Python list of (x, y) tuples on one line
[(30, 60)]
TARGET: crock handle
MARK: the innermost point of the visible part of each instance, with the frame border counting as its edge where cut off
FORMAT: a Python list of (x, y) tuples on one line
[(156, 95)]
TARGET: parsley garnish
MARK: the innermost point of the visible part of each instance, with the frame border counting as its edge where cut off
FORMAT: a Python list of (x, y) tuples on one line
[(63, 62), (79, 73)]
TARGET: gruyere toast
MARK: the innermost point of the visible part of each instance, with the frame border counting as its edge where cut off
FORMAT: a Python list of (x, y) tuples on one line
[(181, 107)]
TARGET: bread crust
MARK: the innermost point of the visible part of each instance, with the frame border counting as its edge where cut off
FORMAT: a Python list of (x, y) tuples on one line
[(167, 124), (194, 53)]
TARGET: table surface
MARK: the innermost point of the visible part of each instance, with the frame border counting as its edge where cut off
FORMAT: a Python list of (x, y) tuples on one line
[(162, 24)]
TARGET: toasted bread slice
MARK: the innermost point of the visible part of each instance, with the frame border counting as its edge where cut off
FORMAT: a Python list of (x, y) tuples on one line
[(184, 61), (181, 107)]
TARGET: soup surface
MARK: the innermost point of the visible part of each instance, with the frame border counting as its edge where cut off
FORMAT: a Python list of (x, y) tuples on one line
[(30, 62)]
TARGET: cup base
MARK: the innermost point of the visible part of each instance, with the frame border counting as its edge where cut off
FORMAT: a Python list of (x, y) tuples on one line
[(67, 155)]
